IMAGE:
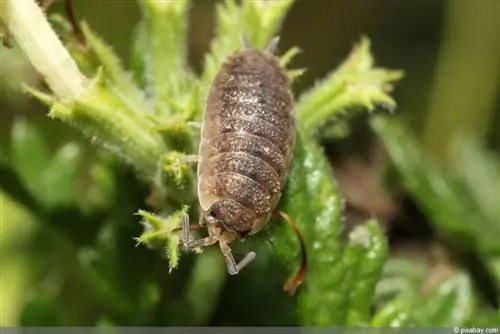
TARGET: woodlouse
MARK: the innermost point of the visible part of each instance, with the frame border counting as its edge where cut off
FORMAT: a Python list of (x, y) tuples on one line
[(247, 138)]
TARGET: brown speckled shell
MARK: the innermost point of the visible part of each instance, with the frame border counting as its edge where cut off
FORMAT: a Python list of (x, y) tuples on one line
[(247, 139)]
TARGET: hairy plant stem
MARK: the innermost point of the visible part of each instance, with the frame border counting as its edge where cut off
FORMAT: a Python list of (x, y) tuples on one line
[(28, 26)]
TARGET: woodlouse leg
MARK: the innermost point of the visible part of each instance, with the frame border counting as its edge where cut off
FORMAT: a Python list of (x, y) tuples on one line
[(190, 159), (273, 45), (207, 241), (234, 268), (213, 237), (196, 125), (185, 228)]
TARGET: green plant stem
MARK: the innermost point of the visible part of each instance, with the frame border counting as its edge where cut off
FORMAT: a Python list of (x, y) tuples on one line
[(31, 31)]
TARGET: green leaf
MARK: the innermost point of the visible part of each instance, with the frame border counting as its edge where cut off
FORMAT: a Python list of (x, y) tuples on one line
[(104, 117), (450, 303), (30, 155), (100, 276), (122, 83), (102, 187), (159, 232), (442, 196), (205, 285), (395, 313), (4, 158), (100, 267), (363, 259), (311, 198), (40, 311), (356, 83), (400, 277), (165, 53), (479, 170), (60, 178), (139, 49)]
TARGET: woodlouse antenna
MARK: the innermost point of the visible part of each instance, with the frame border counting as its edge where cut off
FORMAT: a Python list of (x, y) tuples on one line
[(296, 280), (273, 45), (68, 5), (215, 235), (245, 43)]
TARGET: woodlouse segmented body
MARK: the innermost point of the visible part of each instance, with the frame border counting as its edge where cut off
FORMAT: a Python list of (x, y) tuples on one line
[(247, 138)]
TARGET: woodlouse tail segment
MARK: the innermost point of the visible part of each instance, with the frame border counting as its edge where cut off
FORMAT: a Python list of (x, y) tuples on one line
[(296, 280), (273, 45)]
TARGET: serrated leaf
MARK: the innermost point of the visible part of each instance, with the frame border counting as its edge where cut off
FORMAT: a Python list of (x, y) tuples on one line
[(364, 258), (311, 198), (29, 155), (355, 84), (159, 232), (59, 179)]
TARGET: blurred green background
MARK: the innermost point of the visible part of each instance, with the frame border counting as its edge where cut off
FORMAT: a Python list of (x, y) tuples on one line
[(450, 53)]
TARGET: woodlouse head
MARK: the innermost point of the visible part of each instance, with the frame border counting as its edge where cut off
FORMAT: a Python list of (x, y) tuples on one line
[(232, 216)]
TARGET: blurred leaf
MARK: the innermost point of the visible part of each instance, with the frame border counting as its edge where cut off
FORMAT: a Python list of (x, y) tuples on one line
[(484, 317), (442, 196), (450, 303), (60, 177), (355, 84), (99, 275), (11, 184), (479, 170), (400, 277), (205, 286), (102, 188), (363, 259), (30, 155), (138, 59), (164, 53), (395, 313), (99, 265), (40, 310), (4, 158), (312, 199)]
